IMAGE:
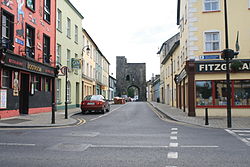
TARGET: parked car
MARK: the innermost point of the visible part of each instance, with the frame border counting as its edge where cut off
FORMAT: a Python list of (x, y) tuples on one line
[(95, 103)]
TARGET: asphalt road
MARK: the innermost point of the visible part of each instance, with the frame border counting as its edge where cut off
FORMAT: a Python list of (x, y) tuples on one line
[(130, 135)]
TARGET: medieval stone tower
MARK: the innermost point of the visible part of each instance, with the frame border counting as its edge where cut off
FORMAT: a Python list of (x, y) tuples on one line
[(130, 75)]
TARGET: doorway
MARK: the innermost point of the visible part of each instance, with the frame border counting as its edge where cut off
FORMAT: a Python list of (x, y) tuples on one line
[(77, 95), (24, 94)]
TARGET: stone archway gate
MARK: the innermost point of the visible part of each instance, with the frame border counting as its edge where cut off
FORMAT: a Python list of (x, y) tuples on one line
[(130, 74)]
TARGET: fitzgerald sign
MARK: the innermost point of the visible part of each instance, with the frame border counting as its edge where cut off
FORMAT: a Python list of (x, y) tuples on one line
[(218, 66)]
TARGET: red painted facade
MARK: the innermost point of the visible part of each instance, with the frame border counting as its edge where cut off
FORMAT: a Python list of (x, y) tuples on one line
[(27, 70)]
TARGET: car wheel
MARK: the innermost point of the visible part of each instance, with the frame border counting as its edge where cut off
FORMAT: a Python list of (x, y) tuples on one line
[(83, 112), (108, 109), (103, 111)]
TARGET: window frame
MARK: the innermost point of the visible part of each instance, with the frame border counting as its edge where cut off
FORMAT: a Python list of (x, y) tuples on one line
[(211, 10), (59, 20), (204, 41), (7, 78), (34, 5), (58, 53), (33, 39), (9, 36), (68, 92), (76, 34), (47, 10), (68, 27), (68, 58), (58, 91), (46, 52)]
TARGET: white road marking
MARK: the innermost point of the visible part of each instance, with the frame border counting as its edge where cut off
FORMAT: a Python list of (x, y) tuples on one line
[(242, 134), (174, 133), (248, 139), (199, 146), (16, 144), (171, 166), (174, 128), (173, 155), (241, 131), (173, 137), (173, 145), (126, 146), (238, 137)]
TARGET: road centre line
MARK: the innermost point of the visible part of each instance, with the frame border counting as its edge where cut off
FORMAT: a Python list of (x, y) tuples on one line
[(173, 155), (16, 144), (173, 137), (174, 133), (126, 146), (173, 144), (174, 129), (199, 146)]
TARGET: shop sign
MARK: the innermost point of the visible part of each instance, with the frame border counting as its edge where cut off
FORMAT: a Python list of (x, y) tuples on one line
[(19, 41), (181, 76), (34, 67), (218, 67), (76, 63)]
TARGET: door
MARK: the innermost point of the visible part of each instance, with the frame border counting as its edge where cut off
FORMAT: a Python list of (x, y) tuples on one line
[(77, 95), (24, 94)]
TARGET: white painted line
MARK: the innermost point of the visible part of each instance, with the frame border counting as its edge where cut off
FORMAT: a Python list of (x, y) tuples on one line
[(173, 155), (171, 166), (238, 137), (173, 137), (242, 134), (174, 128), (200, 146), (16, 144), (173, 144), (248, 138), (126, 146), (174, 133), (241, 131)]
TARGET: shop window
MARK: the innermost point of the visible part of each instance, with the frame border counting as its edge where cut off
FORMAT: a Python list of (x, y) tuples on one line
[(46, 49), (212, 41), (47, 85), (7, 30), (6, 79), (220, 93), (204, 93), (30, 41), (37, 82), (211, 5), (46, 14), (242, 93), (30, 4)]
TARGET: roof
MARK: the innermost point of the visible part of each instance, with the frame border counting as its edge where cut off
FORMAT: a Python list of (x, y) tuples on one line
[(73, 7)]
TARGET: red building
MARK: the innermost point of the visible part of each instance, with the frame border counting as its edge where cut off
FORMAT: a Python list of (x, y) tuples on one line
[(27, 56)]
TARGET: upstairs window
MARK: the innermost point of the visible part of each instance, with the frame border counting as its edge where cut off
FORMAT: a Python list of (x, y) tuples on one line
[(59, 19), (68, 27), (47, 8), (7, 30), (76, 34), (68, 58), (30, 41), (212, 41), (46, 49), (211, 5), (58, 54), (30, 4)]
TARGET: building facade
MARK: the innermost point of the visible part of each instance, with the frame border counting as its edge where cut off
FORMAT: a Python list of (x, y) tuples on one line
[(201, 81), (112, 88), (27, 57), (69, 45)]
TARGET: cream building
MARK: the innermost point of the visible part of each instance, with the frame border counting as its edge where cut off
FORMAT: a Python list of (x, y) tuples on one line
[(88, 64), (201, 78), (69, 49)]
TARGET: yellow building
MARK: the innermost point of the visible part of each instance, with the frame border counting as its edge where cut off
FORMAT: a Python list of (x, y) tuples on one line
[(201, 78), (88, 65), (69, 50)]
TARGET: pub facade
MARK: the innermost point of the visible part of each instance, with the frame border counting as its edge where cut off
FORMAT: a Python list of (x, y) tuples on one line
[(27, 57)]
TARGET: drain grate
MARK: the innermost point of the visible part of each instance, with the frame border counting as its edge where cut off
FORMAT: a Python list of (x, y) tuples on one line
[(14, 121)]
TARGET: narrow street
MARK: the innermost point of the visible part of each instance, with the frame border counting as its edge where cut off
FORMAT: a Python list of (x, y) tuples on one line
[(130, 135)]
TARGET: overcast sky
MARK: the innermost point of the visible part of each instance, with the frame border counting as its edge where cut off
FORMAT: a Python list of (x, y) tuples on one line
[(135, 29)]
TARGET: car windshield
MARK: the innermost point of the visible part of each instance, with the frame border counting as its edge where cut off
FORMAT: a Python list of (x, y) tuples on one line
[(93, 97)]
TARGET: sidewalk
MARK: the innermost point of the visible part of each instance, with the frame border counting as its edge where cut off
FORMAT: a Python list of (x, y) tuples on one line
[(40, 120), (214, 122)]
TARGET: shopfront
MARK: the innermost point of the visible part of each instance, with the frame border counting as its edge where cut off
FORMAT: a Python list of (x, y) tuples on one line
[(26, 86), (210, 89)]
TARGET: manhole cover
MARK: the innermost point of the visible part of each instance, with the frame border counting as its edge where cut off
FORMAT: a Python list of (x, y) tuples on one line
[(69, 147), (14, 121)]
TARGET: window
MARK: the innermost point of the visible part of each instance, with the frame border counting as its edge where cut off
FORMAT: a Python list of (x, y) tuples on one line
[(7, 30), (88, 69), (6, 79), (30, 4), (212, 41), (83, 67), (76, 33), (58, 91), (211, 5), (68, 58), (37, 82), (68, 27), (242, 93), (46, 13), (68, 91), (47, 84), (220, 93), (30, 41), (46, 49), (59, 19), (58, 54)]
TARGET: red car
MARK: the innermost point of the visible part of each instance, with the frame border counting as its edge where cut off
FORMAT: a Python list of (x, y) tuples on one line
[(95, 103)]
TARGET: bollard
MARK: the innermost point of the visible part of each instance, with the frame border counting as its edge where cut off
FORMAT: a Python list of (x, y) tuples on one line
[(53, 114), (206, 116)]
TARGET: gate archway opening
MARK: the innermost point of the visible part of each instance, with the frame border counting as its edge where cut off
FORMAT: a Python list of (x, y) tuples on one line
[(133, 92)]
